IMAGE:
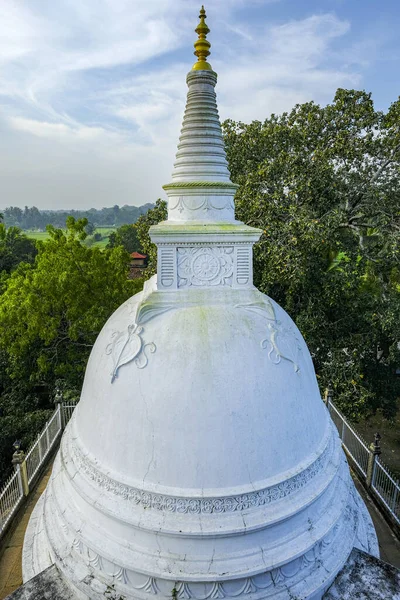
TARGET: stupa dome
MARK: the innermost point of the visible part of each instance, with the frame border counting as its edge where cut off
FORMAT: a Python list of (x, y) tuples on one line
[(200, 462), (221, 398)]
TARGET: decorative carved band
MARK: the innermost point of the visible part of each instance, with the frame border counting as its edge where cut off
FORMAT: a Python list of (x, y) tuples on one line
[(203, 203), (279, 577), (226, 504), (201, 184)]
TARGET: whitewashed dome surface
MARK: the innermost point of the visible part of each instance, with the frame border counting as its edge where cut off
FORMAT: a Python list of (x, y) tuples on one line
[(200, 462)]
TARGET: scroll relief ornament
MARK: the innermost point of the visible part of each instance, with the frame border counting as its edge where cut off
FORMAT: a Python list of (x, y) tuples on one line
[(127, 346), (203, 267), (282, 342), (202, 203)]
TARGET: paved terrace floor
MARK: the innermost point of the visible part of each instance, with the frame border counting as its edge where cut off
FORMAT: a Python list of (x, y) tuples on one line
[(11, 555)]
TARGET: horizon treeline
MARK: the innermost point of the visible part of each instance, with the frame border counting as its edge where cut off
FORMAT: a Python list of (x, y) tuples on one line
[(33, 218)]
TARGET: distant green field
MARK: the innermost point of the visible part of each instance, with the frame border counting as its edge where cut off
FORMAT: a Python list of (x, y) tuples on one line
[(104, 231), (37, 235)]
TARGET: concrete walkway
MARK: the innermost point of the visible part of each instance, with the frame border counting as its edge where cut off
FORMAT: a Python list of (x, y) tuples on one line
[(11, 553)]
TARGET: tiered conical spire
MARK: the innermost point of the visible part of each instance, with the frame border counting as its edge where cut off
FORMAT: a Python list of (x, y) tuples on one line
[(201, 211), (201, 154), (201, 188)]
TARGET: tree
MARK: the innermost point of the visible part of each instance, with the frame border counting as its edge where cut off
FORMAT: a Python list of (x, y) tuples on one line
[(323, 185), (90, 228), (125, 236), (51, 312), (15, 248), (152, 217), (33, 218)]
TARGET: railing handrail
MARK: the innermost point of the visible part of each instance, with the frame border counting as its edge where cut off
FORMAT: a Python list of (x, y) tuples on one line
[(12, 492), (378, 479), (388, 474), (8, 484), (343, 418)]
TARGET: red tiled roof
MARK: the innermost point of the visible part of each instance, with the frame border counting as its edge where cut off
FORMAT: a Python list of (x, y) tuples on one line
[(137, 255)]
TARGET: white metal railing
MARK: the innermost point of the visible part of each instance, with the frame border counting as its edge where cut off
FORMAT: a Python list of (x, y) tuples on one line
[(44, 444), (12, 493), (354, 444), (387, 488), (10, 498), (377, 476), (68, 409)]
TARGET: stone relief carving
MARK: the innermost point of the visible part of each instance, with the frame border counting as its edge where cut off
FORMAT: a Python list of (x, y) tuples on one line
[(209, 266), (282, 341), (204, 203), (310, 561), (283, 344), (127, 346), (226, 504)]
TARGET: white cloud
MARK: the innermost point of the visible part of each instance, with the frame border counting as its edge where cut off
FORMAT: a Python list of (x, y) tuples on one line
[(96, 89), (56, 131), (291, 65)]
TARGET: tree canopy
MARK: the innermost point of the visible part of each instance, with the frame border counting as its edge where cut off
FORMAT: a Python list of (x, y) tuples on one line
[(153, 216), (51, 312), (33, 218), (125, 236), (15, 248), (323, 184)]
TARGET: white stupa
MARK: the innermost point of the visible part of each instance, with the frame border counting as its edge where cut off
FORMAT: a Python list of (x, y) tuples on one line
[(200, 462)]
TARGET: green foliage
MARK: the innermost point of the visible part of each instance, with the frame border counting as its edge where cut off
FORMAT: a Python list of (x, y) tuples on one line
[(152, 217), (323, 185), (23, 413), (90, 228), (15, 247), (33, 218), (51, 312), (125, 236)]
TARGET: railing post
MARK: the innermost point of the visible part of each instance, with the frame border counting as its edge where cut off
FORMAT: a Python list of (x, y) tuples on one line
[(59, 402), (19, 463), (47, 436), (328, 395), (374, 452), (40, 450)]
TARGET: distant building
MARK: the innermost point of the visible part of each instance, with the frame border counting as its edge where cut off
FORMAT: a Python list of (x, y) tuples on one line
[(137, 266)]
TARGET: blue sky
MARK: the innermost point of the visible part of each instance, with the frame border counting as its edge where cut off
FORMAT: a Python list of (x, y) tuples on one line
[(92, 92)]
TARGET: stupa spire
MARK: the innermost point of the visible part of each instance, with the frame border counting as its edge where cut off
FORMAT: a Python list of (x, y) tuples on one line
[(202, 45), (201, 244), (201, 188)]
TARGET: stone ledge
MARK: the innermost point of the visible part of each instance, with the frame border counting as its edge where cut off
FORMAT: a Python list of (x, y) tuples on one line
[(48, 585), (366, 578)]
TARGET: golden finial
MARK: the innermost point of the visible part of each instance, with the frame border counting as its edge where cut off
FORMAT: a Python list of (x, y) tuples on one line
[(202, 46)]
